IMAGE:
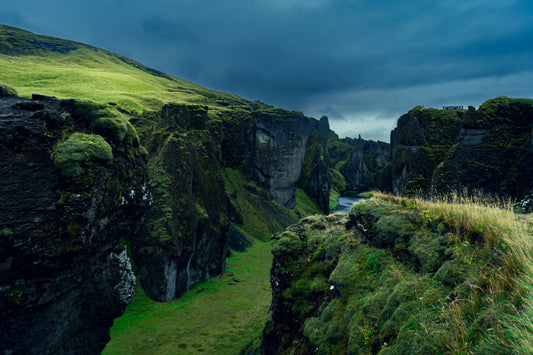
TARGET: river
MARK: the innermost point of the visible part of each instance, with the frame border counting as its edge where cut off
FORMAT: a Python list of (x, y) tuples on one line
[(344, 204)]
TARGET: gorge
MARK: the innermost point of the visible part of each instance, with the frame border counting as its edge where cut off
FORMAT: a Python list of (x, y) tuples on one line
[(124, 185)]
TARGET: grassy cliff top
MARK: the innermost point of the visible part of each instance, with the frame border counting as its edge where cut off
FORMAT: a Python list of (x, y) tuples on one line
[(405, 276), (56, 67)]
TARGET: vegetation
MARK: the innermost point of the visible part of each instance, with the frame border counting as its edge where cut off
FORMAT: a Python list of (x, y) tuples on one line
[(66, 69), (260, 214), (222, 315), (81, 150), (410, 276)]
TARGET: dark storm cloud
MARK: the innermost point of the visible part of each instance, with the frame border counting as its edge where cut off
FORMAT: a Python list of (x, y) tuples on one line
[(363, 63)]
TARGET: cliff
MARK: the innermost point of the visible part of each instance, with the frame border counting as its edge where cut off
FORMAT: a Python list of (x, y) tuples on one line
[(364, 168), (419, 143), (268, 145), (74, 187), (217, 177), (185, 236), (494, 151), (401, 276), (314, 177)]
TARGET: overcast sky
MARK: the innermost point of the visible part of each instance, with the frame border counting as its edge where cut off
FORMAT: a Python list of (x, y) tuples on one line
[(363, 63)]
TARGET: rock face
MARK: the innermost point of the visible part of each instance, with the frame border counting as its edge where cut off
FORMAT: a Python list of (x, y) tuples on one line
[(419, 143), (494, 152), (268, 145), (73, 187), (364, 168), (185, 236), (279, 151), (314, 178)]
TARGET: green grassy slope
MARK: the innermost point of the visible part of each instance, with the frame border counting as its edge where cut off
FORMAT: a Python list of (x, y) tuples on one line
[(51, 66), (218, 316)]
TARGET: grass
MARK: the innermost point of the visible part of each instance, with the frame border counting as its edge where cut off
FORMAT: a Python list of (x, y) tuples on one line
[(98, 75), (333, 198), (218, 316), (447, 276)]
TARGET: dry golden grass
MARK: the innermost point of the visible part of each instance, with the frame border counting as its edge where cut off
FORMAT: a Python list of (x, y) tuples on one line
[(503, 242)]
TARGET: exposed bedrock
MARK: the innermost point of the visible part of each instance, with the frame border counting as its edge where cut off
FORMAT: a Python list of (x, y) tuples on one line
[(73, 188)]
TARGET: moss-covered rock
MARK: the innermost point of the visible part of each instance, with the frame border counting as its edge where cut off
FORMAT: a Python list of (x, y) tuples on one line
[(399, 276), (494, 152), (79, 151), (419, 143), (69, 199), (185, 235)]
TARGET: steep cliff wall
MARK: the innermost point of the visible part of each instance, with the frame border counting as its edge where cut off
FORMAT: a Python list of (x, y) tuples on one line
[(314, 178), (268, 145), (185, 236), (494, 152), (363, 170), (419, 143), (73, 188)]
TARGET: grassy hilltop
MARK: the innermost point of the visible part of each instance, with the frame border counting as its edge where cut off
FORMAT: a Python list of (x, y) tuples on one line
[(56, 67)]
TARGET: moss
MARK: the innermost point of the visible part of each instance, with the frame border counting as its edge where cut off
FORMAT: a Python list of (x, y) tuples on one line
[(80, 151), (28, 105), (113, 127), (287, 244)]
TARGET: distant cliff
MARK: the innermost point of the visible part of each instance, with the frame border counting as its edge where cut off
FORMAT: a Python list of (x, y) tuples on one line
[(419, 143), (74, 188), (364, 169), (494, 151), (268, 144)]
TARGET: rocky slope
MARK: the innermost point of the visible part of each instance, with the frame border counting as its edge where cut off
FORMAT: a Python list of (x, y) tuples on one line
[(74, 187), (400, 276)]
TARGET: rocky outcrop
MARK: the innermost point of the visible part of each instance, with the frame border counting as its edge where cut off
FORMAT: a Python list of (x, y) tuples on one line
[(184, 239), (363, 170), (494, 152), (279, 151), (268, 145), (393, 273), (314, 178), (74, 187), (419, 143)]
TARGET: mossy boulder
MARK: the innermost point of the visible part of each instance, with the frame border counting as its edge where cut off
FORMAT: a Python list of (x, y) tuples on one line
[(286, 244), (79, 151)]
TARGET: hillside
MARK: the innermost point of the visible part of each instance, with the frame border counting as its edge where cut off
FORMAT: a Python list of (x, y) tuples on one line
[(65, 69)]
